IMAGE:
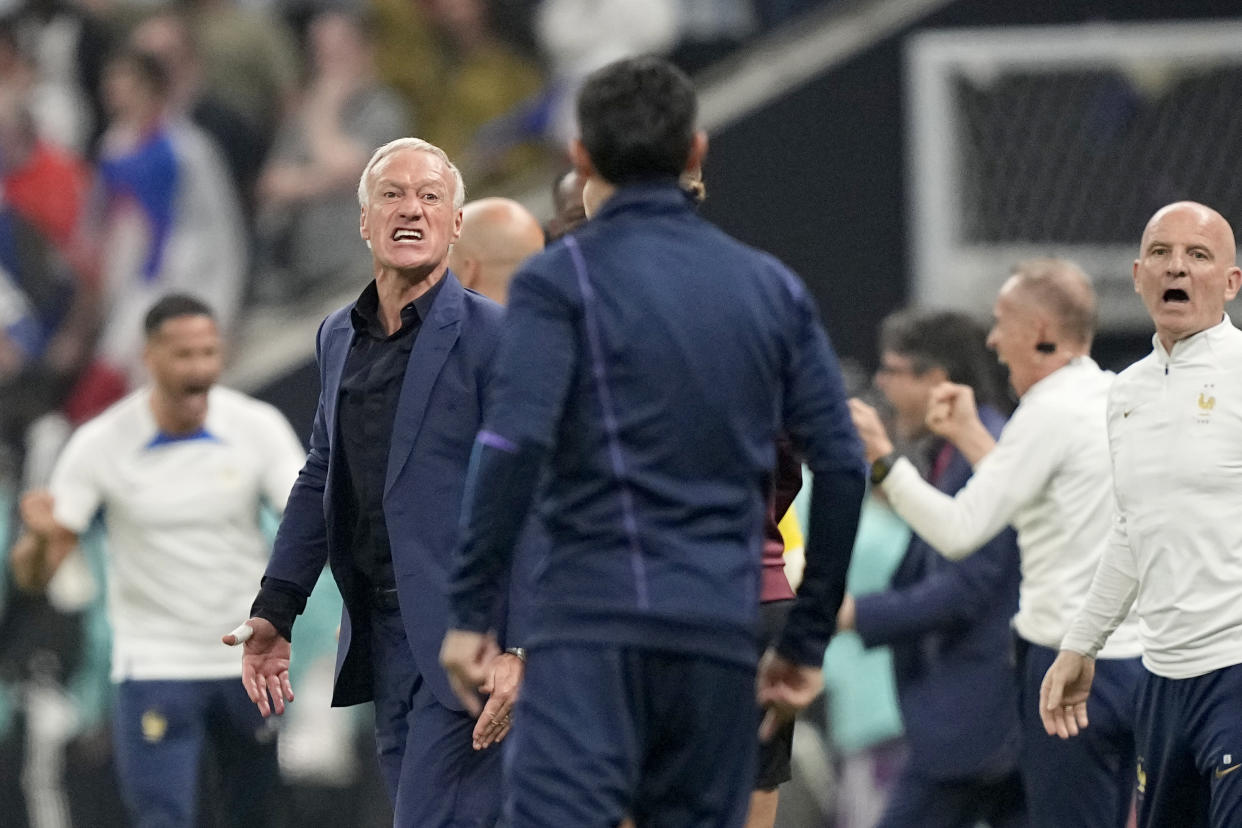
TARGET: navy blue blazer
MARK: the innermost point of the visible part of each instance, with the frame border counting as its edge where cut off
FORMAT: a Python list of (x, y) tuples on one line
[(948, 624), (438, 415)]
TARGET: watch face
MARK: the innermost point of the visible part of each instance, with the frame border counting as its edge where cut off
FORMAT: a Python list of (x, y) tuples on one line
[(880, 468)]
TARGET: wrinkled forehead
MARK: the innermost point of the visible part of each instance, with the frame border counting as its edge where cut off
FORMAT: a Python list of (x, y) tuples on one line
[(1190, 223)]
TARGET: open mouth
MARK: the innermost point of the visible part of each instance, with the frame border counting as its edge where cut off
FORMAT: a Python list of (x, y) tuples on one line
[(1175, 295), (403, 234)]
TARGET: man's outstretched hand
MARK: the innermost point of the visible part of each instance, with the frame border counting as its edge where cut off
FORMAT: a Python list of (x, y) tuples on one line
[(265, 665)]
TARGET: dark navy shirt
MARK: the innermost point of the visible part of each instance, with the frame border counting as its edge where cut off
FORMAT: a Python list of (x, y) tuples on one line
[(370, 389), (650, 360)]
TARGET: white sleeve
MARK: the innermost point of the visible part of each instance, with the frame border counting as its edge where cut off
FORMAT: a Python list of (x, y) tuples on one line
[(1113, 590), (1006, 479), (75, 485), (285, 456)]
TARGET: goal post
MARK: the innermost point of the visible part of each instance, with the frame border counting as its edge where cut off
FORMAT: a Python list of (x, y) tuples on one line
[(1061, 141)]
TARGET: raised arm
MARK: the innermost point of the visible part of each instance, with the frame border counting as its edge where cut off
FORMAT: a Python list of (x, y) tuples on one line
[(953, 415), (1007, 478), (43, 545)]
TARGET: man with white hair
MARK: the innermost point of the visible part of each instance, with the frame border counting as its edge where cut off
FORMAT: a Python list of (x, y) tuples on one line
[(403, 371)]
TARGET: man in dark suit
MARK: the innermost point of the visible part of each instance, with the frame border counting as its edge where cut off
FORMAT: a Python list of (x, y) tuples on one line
[(403, 371), (947, 622)]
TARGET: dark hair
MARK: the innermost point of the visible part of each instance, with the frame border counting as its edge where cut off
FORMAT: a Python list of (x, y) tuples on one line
[(172, 306), (951, 341), (636, 119)]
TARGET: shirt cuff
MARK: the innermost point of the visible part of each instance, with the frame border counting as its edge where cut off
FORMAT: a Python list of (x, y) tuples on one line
[(279, 602)]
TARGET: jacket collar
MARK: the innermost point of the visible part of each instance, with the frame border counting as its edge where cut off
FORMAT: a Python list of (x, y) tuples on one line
[(661, 193)]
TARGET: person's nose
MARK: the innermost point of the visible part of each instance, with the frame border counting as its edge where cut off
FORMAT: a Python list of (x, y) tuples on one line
[(411, 205), (1178, 263)]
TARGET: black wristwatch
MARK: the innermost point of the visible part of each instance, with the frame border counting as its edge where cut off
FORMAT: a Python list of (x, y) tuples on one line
[(882, 466)]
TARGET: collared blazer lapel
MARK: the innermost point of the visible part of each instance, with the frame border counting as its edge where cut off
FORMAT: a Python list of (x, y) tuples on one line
[(431, 349), (336, 342)]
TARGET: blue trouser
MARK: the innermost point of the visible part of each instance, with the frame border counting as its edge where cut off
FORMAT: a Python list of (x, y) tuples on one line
[(1086, 781), (1190, 749), (602, 732), (433, 773), (942, 803), (159, 733)]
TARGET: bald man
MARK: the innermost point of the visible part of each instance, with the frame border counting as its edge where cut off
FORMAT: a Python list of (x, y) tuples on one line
[(1175, 552), (1049, 476), (497, 234)]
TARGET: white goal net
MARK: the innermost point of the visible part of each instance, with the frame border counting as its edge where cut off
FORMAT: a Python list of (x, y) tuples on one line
[(1062, 140)]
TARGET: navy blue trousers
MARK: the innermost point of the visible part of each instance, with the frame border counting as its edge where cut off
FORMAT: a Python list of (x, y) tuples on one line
[(1087, 781), (434, 775), (603, 732), (1190, 750), (159, 733), (940, 803)]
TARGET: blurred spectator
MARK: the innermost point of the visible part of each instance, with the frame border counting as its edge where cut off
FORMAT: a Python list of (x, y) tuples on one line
[(250, 60), (307, 191), (170, 219), (46, 320), (47, 301), (478, 113), (459, 75), (948, 623), (567, 209), (711, 29), (579, 36), (167, 36), (862, 695), (56, 50), (408, 56)]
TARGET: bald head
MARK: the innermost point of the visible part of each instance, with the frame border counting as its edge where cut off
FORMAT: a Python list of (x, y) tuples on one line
[(1209, 222), (1060, 289), (1186, 270), (497, 234)]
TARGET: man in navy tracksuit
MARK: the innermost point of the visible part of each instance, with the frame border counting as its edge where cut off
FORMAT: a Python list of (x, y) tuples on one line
[(650, 361)]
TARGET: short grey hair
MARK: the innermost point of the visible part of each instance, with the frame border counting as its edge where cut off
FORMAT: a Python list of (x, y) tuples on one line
[(1064, 290), (392, 147)]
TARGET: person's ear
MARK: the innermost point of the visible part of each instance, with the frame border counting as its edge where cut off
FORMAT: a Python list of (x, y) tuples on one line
[(1233, 280), (581, 160), (698, 151)]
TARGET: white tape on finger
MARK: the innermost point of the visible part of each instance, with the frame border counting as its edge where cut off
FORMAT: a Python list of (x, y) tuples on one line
[(242, 634)]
